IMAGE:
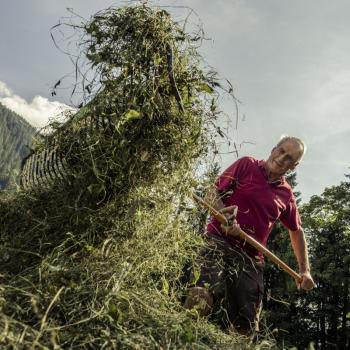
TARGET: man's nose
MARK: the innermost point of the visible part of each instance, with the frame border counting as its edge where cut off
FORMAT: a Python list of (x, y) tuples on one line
[(281, 158)]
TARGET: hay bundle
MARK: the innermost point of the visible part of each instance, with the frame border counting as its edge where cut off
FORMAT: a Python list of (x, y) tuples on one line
[(95, 261), (152, 104)]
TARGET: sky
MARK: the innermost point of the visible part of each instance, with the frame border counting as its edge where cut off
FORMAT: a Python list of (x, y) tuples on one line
[(287, 60)]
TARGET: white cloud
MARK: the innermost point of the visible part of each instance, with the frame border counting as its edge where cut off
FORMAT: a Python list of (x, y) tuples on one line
[(4, 91), (37, 112)]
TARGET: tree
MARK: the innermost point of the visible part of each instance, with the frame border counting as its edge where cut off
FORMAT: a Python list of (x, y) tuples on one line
[(327, 222), (321, 316), (15, 138)]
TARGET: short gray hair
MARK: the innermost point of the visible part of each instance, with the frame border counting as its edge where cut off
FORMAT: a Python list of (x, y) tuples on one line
[(285, 138)]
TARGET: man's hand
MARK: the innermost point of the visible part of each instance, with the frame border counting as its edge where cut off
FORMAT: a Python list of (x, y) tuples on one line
[(307, 283), (299, 245), (232, 228)]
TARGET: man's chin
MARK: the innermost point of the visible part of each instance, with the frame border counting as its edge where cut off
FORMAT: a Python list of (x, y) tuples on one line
[(277, 169), (273, 168)]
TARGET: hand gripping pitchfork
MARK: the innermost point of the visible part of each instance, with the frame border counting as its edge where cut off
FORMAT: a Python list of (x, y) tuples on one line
[(222, 219)]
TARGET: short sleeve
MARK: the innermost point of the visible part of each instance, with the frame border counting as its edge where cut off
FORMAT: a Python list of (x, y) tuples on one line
[(290, 217), (228, 179)]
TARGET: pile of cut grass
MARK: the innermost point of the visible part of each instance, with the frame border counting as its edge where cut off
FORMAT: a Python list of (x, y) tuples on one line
[(96, 261)]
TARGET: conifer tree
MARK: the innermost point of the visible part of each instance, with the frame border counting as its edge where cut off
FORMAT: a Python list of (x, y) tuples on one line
[(327, 221), (321, 316)]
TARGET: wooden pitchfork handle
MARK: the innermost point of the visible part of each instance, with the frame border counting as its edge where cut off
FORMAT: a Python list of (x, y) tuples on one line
[(222, 219)]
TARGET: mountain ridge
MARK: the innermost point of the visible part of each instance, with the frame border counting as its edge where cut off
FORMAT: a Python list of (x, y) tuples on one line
[(15, 139)]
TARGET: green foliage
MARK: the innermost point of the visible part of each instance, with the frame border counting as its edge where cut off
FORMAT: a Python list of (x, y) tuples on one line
[(96, 261), (15, 135), (323, 311), (153, 111), (327, 219)]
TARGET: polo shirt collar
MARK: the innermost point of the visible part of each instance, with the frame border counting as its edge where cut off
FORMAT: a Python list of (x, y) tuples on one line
[(262, 167)]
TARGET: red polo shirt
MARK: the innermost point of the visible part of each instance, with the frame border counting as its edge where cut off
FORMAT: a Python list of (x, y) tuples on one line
[(260, 202)]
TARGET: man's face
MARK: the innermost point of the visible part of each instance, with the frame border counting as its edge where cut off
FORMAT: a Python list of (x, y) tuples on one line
[(283, 158)]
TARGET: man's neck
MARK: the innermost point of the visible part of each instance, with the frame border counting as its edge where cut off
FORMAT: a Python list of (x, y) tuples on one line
[(271, 177)]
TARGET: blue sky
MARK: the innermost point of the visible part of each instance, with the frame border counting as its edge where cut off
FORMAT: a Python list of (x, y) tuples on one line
[(288, 61)]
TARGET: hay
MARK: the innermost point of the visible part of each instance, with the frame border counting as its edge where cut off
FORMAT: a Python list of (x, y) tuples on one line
[(95, 261)]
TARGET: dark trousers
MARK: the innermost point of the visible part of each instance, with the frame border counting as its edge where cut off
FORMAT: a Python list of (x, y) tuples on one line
[(235, 281)]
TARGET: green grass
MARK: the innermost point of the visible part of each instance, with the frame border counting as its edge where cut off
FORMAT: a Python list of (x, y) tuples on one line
[(96, 261)]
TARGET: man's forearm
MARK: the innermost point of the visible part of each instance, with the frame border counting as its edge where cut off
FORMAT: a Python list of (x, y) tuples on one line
[(300, 249)]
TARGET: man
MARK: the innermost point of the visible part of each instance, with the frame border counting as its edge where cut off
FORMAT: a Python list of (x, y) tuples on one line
[(230, 271)]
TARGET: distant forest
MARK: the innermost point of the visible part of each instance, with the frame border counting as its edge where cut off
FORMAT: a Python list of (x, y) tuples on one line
[(15, 138), (319, 319)]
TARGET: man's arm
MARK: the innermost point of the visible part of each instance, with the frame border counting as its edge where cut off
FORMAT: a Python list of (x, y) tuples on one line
[(300, 250)]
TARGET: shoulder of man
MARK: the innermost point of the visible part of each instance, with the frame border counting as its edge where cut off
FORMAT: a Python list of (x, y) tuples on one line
[(244, 164), (247, 160), (291, 198), (240, 167)]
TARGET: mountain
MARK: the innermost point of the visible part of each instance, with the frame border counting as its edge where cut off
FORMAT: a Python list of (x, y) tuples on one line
[(15, 138)]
